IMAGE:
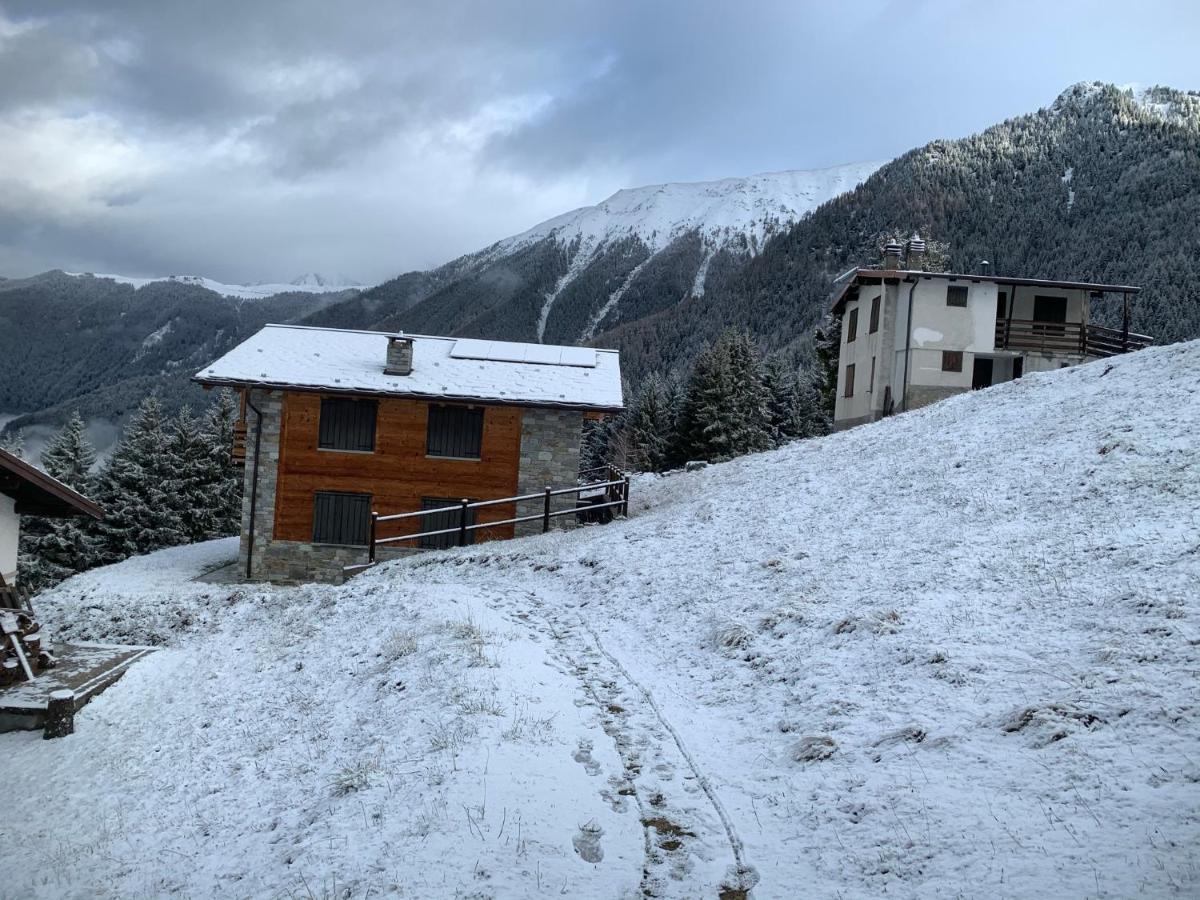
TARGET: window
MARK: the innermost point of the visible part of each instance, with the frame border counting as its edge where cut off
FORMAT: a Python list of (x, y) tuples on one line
[(956, 295), (952, 360), (1002, 305), (852, 326), (448, 515), (347, 425), (455, 431), (874, 315), (871, 383), (1049, 310), (849, 380), (341, 518)]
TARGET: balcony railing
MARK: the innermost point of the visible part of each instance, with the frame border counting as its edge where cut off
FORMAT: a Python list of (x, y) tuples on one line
[(1066, 338)]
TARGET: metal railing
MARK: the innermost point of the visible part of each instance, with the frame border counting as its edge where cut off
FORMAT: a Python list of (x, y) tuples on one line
[(616, 498)]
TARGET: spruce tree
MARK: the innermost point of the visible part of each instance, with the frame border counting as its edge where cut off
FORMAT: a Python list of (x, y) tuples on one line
[(650, 426), (54, 549), (827, 342), (191, 485), (134, 489), (222, 477)]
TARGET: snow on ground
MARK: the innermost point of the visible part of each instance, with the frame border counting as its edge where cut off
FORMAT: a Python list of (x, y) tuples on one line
[(953, 654)]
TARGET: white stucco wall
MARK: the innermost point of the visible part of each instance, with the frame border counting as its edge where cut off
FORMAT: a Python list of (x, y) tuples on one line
[(9, 531), (937, 327), (859, 352)]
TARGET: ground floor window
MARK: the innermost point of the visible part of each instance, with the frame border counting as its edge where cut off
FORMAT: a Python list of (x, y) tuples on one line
[(849, 391), (952, 360), (340, 518), (448, 515)]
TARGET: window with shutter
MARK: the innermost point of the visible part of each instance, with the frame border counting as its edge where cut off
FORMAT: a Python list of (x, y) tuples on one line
[(448, 515), (874, 315), (347, 425), (454, 431), (956, 295), (849, 392), (852, 326), (952, 360), (341, 518)]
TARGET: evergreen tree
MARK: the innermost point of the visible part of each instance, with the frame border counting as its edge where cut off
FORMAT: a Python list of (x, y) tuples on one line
[(54, 549), (191, 485), (69, 456), (651, 431), (827, 342), (223, 478), (14, 443), (726, 410), (751, 399), (134, 489)]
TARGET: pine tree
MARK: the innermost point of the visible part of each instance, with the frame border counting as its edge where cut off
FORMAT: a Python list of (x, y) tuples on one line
[(69, 456), (751, 400), (651, 431), (827, 340), (783, 387), (191, 485), (14, 443), (222, 477), (54, 549), (134, 489)]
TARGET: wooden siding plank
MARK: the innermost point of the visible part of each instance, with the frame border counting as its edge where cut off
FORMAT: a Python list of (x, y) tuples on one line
[(399, 473)]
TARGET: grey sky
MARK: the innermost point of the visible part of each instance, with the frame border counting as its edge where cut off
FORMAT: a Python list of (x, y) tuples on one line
[(253, 140)]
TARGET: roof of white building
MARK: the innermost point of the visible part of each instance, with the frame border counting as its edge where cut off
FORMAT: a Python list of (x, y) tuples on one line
[(342, 361), (851, 278)]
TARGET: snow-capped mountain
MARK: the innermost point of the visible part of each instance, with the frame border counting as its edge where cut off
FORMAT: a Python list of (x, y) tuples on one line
[(312, 283), (315, 280), (640, 251), (730, 211)]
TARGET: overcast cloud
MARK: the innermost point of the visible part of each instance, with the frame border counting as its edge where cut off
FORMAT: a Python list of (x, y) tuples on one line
[(254, 141)]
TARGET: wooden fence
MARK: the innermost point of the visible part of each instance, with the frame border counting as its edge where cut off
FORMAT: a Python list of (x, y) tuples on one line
[(612, 484)]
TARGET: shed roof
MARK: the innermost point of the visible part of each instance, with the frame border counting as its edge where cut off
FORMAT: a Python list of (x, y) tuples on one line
[(852, 278), (39, 494), (334, 360)]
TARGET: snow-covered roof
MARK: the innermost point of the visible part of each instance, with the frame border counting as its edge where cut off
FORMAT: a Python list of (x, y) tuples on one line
[(338, 360)]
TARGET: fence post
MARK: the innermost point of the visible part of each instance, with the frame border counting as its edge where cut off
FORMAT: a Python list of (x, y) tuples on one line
[(546, 512), (462, 522), (625, 498), (374, 523)]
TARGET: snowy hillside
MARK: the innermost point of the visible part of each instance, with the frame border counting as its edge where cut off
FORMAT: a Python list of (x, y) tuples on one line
[(724, 211), (950, 654), (312, 283)]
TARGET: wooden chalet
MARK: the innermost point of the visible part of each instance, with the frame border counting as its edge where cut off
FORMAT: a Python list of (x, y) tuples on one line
[(360, 444)]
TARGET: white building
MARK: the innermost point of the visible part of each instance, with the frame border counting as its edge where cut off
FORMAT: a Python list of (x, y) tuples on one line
[(911, 337), (26, 490)]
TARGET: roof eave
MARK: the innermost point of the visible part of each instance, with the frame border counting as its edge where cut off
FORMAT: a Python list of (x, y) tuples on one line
[(432, 398)]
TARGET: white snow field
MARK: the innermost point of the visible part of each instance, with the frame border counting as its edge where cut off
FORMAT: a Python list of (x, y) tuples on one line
[(951, 654)]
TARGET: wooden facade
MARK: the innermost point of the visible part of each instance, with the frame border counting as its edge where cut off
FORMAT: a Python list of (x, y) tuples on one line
[(398, 474)]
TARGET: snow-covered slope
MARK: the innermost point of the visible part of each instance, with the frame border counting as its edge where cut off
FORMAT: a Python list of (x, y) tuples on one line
[(726, 211), (953, 653), (312, 283)]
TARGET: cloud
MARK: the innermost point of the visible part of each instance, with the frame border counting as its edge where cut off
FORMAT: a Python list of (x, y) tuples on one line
[(254, 141)]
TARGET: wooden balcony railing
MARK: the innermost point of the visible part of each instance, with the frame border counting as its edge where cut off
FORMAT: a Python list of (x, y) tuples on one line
[(1066, 337)]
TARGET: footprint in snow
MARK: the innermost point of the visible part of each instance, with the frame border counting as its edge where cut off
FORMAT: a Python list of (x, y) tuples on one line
[(587, 842), (584, 756)]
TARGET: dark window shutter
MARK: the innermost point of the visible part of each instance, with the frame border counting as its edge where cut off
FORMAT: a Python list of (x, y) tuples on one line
[(341, 518), (874, 315), (447, 516), (956, 295), (849, 380), (852, 326), (455, 431), (347, 424), (952, 360)]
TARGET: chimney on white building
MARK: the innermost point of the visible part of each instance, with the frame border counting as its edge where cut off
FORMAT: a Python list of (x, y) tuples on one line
[(399, 355), (891, 254), (914, 254)]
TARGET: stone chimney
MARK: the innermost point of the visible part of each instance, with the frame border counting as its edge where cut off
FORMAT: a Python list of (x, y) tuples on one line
[(399, 355), (914, 254), (891, 255)]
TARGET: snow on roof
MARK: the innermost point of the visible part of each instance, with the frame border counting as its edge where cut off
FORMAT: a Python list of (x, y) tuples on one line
[(333, 359)]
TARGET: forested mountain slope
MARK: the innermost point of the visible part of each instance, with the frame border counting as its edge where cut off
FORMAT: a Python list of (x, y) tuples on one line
[(99, 345), (1102, 185)]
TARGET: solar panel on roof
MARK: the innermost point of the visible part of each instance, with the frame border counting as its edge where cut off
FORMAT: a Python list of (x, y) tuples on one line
[(511, 351)]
